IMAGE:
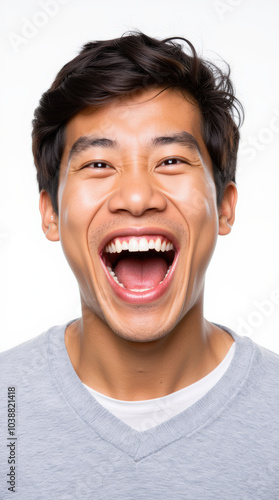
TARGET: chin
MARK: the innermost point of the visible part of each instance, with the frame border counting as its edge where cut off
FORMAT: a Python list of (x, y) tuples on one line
[(140, 334)]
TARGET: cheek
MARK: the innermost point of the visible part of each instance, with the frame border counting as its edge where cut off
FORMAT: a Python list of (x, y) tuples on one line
[(78, 204), (80, 201), (203, 226), (194, 196)]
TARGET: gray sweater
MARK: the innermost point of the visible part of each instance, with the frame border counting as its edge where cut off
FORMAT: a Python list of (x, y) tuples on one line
[(58, 442)]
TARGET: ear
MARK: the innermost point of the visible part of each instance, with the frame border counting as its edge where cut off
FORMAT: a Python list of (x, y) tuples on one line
[(227, 209), (49, 217)]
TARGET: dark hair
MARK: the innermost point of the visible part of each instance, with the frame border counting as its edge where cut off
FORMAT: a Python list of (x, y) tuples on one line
[(109, 69)]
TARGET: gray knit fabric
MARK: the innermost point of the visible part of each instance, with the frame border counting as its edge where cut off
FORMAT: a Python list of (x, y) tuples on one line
[(66, 446)]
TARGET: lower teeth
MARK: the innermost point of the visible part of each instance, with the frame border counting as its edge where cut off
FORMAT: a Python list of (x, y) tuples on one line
[(112, 273)]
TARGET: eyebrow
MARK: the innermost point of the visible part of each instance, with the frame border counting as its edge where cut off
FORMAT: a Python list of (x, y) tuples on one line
[(86, 142)]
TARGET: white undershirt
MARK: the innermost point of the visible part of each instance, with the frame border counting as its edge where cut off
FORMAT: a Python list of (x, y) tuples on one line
[(143, 415)]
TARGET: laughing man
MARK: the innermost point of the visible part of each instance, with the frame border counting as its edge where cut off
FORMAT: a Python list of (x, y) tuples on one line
[(135, 146)]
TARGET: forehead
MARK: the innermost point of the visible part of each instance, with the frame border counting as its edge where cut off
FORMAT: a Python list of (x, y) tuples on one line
[(132, 121)]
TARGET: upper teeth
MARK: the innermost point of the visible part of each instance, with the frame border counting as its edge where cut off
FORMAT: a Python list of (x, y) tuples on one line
[(139, 245)]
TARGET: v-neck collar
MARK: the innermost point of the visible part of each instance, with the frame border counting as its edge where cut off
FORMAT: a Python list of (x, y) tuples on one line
[(134, 443)]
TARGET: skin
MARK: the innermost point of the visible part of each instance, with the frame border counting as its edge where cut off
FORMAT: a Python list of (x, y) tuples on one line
[(130, 351)]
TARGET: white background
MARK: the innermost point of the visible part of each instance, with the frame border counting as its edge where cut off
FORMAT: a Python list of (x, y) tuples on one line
[(37, 288)]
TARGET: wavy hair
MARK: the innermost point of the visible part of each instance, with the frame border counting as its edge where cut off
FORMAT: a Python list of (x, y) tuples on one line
[(109, 69)]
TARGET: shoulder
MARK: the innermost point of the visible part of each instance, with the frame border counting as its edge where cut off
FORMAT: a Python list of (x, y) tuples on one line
[(22, 351), (258, 354), (261, 374), (261, 384), (28, 359), (264, 360), (265, 369)]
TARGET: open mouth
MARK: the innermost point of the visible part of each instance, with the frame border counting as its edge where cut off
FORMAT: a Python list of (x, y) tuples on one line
[(139, 264)]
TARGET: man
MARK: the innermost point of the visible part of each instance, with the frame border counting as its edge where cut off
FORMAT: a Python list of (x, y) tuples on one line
[(135, 146)]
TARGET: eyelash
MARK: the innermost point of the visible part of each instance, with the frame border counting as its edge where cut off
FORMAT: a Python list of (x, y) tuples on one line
[(96, 162), (171, 159), (104, 163)]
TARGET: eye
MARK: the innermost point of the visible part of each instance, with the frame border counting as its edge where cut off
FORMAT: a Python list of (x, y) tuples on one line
[(97, 165), (172, 161)]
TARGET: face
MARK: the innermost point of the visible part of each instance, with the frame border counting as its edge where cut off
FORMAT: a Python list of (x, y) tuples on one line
[(135, 175)]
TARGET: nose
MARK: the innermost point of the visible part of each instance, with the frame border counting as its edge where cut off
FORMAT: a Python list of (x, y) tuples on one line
[(136, 193)]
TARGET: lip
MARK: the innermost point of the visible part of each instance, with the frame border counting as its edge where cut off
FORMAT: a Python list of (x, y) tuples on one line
[(149, 295)]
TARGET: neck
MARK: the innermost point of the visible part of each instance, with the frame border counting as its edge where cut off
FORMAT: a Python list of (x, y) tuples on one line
[(134, 371)]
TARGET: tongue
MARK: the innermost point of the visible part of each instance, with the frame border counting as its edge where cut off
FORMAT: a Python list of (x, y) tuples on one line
[(133, 272)]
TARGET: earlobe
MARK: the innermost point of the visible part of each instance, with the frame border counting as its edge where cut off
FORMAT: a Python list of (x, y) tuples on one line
[(227, 209), (50, 219)]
